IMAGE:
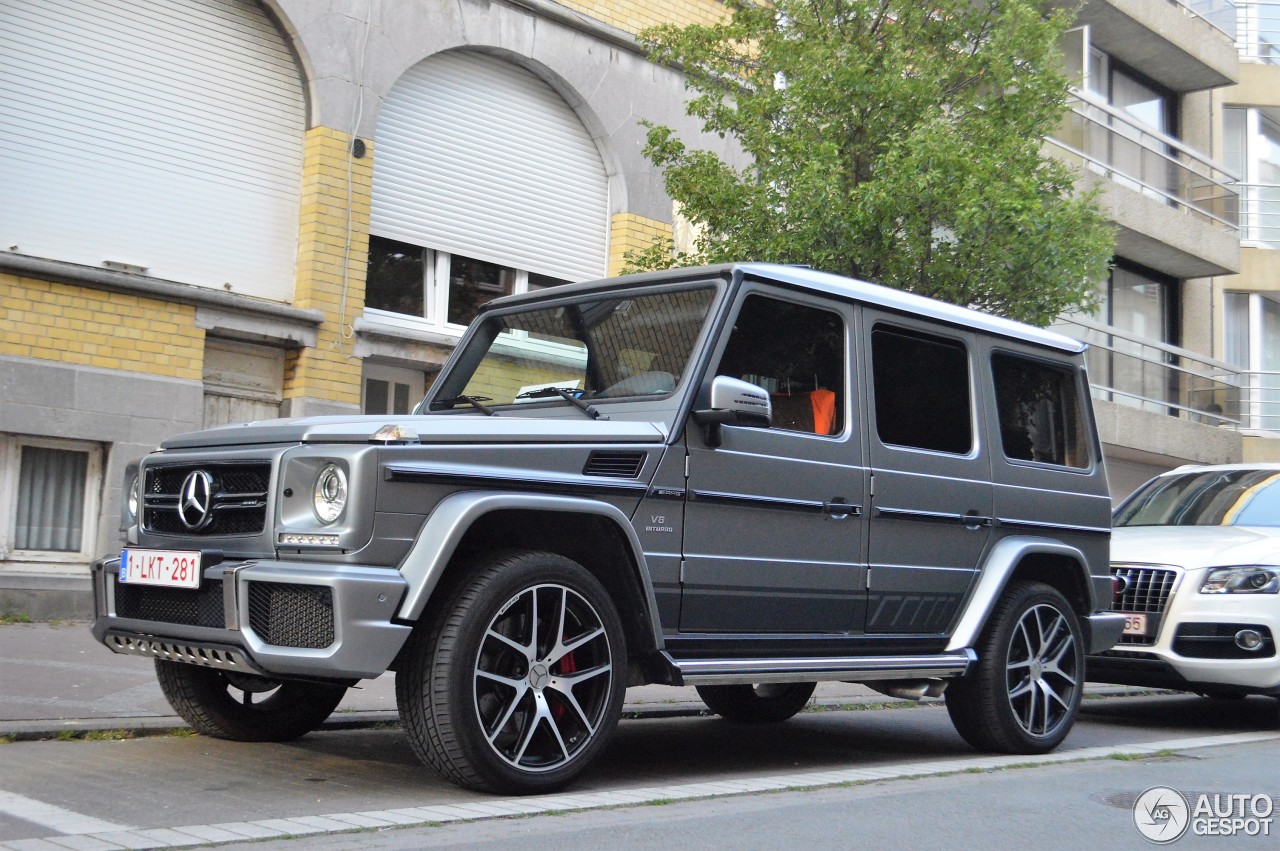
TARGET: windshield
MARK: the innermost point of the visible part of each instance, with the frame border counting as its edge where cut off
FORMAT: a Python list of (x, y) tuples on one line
[(637, 344), (1206, 498)]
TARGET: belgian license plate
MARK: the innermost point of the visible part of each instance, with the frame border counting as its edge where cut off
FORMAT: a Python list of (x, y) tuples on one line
[(1135, 624), (166, 568)]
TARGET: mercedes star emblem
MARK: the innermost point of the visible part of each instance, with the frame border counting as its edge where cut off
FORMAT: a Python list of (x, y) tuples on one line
[(196, 500)]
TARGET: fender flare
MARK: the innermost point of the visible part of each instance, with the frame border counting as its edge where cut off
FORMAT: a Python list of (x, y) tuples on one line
[(999, 565), (449, 522)]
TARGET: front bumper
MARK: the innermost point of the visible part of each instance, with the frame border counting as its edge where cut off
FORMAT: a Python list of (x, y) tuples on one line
[(285, 619), (1194, 648)]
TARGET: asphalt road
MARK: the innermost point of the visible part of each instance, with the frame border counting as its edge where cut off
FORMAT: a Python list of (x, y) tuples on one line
[(78, 793)]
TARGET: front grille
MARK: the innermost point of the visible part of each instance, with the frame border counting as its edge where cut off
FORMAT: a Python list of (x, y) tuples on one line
[(1146, 592), (287, 615), (618, 464), (1218, 641), (185, 606), (238, 500)]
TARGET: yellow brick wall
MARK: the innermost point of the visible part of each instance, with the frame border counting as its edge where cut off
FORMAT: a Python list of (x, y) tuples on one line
[(629, 232), (91, 327), (329, 370), (636, 15)]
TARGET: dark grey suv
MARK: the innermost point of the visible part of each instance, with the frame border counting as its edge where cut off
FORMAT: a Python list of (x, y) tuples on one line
[(746, 478)]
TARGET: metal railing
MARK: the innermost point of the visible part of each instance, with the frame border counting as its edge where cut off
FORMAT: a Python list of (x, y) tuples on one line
[(1220, 13), (1131, 370), (1099, 138), (1260, 213), (1257, 30)]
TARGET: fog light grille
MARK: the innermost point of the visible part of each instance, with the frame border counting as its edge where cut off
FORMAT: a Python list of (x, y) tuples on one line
[(288, 615)]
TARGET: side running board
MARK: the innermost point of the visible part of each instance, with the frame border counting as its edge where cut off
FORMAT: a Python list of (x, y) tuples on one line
[(694, 672)]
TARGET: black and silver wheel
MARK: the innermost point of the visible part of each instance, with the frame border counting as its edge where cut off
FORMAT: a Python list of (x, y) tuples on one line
[(515, 684), (766, 703), (245, 707), (1025, 693)]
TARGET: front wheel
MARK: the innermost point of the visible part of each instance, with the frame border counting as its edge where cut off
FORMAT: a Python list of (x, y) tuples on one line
[(515, 683), (245, 707), (1025, 694), (767, 703)]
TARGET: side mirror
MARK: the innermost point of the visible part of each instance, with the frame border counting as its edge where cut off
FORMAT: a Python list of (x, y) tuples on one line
[(733, 402)]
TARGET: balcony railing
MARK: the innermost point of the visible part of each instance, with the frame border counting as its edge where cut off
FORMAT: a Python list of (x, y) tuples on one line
[(1099, 138), (1260, 214), (1221, 13), (1141, 373), (1257, 30)]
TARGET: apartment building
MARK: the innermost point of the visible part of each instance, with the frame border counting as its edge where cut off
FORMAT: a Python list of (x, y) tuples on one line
[(222, 210)]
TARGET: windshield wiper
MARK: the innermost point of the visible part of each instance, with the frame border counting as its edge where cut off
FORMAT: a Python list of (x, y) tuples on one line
[(477, 402), (548, 392)]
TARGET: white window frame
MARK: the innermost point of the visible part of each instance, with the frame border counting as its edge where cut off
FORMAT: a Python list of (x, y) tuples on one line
[(416, 379), (435, 297), (10, 470)]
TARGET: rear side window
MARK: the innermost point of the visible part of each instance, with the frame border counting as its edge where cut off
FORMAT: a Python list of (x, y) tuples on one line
[(922, 391), (1039, 411)]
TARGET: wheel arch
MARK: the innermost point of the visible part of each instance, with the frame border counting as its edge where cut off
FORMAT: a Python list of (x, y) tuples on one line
[(595, 534), (1023, 558)]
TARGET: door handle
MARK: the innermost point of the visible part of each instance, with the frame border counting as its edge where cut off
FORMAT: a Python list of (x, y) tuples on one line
[(974, 520), (838, 509)]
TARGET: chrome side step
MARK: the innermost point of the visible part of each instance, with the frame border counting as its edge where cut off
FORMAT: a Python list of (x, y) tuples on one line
[(696, 672)]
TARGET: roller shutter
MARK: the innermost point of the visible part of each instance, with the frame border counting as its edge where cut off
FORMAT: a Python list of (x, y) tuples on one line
[(477, 156), (162, 134)]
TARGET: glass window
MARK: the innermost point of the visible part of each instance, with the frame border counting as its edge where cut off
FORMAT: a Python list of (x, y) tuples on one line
[(49, 491), (410, 280), (922, 392), (624, 345), (1205, 498), (397, 277), (795, 352), (1039, 411), (390, 389)]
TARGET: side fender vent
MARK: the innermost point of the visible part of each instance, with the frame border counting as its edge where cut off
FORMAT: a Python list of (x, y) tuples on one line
[(618, 465)]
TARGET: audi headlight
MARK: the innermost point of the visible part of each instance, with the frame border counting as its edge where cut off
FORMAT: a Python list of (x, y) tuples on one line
[(1250, 579), (330, 495)]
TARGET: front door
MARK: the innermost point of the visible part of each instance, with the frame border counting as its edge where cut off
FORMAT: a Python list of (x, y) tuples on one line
[(774, 529)]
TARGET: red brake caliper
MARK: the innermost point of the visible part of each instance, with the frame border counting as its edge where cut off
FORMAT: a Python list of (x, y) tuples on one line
[(567, 666)]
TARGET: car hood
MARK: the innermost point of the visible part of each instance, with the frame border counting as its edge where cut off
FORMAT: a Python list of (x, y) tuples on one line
[(429, 428), (1196, 546)]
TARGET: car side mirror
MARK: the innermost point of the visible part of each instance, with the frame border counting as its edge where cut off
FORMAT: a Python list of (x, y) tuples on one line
[(733, 402)]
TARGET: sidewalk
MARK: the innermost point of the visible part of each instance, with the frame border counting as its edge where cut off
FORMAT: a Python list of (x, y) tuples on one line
[(54, 678)]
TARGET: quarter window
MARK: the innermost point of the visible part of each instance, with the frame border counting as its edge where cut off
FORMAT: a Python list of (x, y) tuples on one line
[(1039, 411), (922, 397)]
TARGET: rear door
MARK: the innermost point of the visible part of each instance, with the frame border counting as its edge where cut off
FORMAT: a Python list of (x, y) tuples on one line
[(931, 505)]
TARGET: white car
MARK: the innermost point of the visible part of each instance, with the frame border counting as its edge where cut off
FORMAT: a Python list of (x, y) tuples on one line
[(1195, 558)]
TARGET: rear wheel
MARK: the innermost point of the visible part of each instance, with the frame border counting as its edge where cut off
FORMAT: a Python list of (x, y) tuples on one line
[(245, 707), (1025, 693), (515, 684), (765, 703)]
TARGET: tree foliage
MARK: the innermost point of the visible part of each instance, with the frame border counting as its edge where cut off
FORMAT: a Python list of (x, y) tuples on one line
[(898, 141)]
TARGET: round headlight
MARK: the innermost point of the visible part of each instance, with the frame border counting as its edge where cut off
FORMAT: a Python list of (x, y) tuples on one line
[(135, 485), (330, 494)]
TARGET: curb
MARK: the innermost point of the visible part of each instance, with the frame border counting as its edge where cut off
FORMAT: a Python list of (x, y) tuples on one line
[(367, 719)]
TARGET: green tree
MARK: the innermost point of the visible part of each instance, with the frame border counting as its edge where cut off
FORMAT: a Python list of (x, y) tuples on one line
[(898, 141)]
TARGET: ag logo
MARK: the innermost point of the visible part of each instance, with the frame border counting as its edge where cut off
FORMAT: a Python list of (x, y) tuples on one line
[(196, 500), (1161, 814)]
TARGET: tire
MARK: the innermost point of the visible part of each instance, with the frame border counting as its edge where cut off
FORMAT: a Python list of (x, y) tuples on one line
[(1225, 694), (767, 703), (1025, 693), (492, 698), (245, 707)]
